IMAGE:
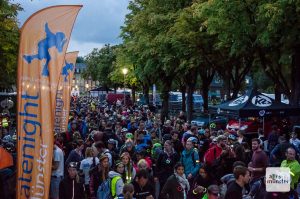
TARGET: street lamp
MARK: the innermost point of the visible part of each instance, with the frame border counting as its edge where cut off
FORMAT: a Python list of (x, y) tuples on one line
[(124, 71)]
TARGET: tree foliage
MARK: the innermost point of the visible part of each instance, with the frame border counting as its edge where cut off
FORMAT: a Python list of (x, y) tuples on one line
[(9, 38), (100, 64)]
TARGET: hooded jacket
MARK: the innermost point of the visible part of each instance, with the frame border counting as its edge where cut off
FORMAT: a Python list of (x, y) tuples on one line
[(119, 184), (190, 160), (71, 189)]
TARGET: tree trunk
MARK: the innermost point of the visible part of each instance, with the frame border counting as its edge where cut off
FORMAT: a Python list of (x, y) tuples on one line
[(166, 87), (227, 88), (190, 91), (205, 89), (206, 78), (183, 104), (146, 93), (133, 88), (295, 91), (277, 93)]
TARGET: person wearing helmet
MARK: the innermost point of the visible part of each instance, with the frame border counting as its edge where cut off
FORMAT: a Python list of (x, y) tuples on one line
[(128, 147), (129, 136), (111, 146), (71, 187)]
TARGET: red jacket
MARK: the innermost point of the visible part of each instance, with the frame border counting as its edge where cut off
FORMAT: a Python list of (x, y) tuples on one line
[(212, 154)]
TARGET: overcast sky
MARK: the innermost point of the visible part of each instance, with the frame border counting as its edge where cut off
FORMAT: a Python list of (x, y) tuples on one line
[(98, 21)]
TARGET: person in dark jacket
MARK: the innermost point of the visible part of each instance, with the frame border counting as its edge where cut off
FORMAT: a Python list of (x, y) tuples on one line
[(99, 174), (177, 185), (177, 145), (76, 154), (165, 163), (203, 179), (109, 133), (142, 186), (71, 187)]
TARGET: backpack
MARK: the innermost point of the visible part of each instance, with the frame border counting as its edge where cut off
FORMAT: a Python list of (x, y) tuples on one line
[(193, 157), (113, 184), (103, 191), (107, 189), (223, 188)]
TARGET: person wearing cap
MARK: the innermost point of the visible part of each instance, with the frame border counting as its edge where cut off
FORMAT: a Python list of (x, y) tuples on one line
[(115, 176), (193, 132), (71, 187), (195, 141), (215, 152), (98, 175), (130, 171)]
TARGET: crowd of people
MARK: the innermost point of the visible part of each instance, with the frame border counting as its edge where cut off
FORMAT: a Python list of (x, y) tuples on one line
[(117, 151)]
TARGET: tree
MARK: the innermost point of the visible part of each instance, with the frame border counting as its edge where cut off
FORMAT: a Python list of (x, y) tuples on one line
[(100, 65), (146, 36), (279, 45), (116, 76), (233, 25), (9, 38), (80, 59)]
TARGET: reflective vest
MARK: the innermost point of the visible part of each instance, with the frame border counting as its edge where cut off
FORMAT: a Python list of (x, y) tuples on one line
[(4, 122), (113, 185)]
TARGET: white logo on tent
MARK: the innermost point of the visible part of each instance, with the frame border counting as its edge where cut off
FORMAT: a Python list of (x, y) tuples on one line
[(262, 113), (238, 101), (261, 101)]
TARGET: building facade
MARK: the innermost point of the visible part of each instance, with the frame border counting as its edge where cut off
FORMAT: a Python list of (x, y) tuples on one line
[(80, 85)]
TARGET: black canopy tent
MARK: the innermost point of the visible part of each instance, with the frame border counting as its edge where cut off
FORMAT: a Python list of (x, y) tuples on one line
[(101, 88), (255, 104)]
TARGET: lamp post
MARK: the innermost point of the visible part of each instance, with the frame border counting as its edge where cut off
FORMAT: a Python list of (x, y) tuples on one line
[(124, 71)]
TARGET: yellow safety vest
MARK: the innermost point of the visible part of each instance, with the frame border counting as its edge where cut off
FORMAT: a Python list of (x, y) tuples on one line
[(113, 185)]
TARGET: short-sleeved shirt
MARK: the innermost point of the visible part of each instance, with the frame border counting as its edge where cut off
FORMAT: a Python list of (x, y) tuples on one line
[(85, 166), (259, 160), (58, 156)]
